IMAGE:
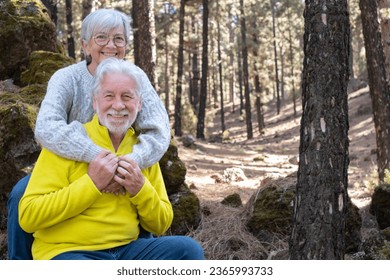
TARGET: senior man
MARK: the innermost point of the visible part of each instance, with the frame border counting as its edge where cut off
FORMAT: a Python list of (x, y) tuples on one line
[(65, 205)]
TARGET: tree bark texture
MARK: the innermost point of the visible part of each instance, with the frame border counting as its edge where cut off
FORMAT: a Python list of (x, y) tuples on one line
[(145, 38), (203, 81), (321, 195), (69, 27), (248, 114), (180, 58), (377, 80)]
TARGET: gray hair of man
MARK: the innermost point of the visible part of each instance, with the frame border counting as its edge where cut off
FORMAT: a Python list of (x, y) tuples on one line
[(103, 20), (116, 66)]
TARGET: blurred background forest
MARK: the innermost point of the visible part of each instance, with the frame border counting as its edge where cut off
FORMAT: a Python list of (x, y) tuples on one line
[(273, 45), (230, 75)]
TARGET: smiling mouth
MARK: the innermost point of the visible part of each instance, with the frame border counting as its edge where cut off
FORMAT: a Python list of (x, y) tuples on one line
[(118, 116), (109, 54)]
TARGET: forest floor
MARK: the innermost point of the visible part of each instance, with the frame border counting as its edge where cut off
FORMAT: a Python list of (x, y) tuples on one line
[(268, 156), (271, 155)]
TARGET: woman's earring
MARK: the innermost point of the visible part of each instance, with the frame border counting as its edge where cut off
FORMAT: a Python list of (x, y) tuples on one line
[(88, 58)]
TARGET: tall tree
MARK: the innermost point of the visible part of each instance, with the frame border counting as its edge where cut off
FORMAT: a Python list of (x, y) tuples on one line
[(69, 27), (377, 79), (51, 6), (166, 23), (248, 114), (223, 128), (87, 8), (180, 57), (291, 56), (240, 80), (194, 93), (321, 194), (231, 56), (384, 16), (145, 38), (256, 78), (275, 57), (203, 81)]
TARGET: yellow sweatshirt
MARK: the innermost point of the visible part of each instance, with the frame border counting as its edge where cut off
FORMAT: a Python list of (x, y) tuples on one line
[(66, 212)]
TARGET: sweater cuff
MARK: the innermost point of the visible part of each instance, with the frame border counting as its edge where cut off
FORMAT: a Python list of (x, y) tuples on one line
[(138, 159), (91, 153)]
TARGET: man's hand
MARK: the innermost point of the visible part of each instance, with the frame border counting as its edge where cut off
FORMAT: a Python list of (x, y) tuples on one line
[(115, 188), (129, 175), (102, 169)]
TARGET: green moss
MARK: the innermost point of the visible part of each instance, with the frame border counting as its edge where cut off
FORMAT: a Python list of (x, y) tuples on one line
[(384, 251), (12, 114), (15, 118), (186, 208), (24, 13), (233, 200), (42, 65), (386, 233), (32, 95), (272, 210)]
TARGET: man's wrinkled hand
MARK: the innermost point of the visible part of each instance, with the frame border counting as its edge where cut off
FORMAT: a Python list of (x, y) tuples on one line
[(102, 169), (129, 175), (114, 188)]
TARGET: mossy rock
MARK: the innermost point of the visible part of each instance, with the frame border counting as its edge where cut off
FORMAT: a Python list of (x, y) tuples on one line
[(233, 200), (383, 253), (173, 169), (353, 237), (187, 212), (42, 65), (380, 205), (25, 27), (272, 210), (32, 95), (18, 148), (386, 234)]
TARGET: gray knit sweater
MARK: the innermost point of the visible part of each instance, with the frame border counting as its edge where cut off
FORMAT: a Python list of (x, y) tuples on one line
[(68, 104)]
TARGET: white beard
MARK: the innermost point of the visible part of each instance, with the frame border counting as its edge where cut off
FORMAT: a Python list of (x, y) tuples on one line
[(114, 126)]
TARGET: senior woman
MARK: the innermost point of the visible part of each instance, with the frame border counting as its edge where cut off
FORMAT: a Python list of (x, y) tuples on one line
[(68, 105)]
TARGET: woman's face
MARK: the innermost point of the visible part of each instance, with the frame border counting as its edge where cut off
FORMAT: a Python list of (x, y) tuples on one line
[(99, 52)]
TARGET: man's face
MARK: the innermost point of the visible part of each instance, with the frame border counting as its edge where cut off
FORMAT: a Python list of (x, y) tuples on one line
[(117, 103)]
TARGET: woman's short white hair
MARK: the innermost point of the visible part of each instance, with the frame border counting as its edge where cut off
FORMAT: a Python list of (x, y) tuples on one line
[(116, 66), (103, 20)]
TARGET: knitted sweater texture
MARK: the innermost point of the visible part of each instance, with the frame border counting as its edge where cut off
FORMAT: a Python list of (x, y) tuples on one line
[(68, 105)]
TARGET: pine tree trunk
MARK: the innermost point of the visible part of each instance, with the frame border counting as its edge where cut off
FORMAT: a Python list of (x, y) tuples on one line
[(379, 88), (321, 195), (223, 128), (87, 8), (248, 114), (178, 131), (194, 98), (275, 59), (203, 82), (69, 28), (145, 38)]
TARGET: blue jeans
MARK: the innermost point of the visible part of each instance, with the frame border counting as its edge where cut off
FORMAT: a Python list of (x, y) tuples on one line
[(145, 247), (161, 248), (19, 241)]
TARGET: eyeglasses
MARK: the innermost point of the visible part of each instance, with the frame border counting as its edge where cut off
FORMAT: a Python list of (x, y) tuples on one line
[(102, 39)]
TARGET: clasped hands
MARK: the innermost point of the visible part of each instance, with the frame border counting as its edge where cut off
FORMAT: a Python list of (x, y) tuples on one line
[(112, 174)]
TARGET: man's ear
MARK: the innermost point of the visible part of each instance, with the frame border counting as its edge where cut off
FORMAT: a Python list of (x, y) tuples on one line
[(94, 102)]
